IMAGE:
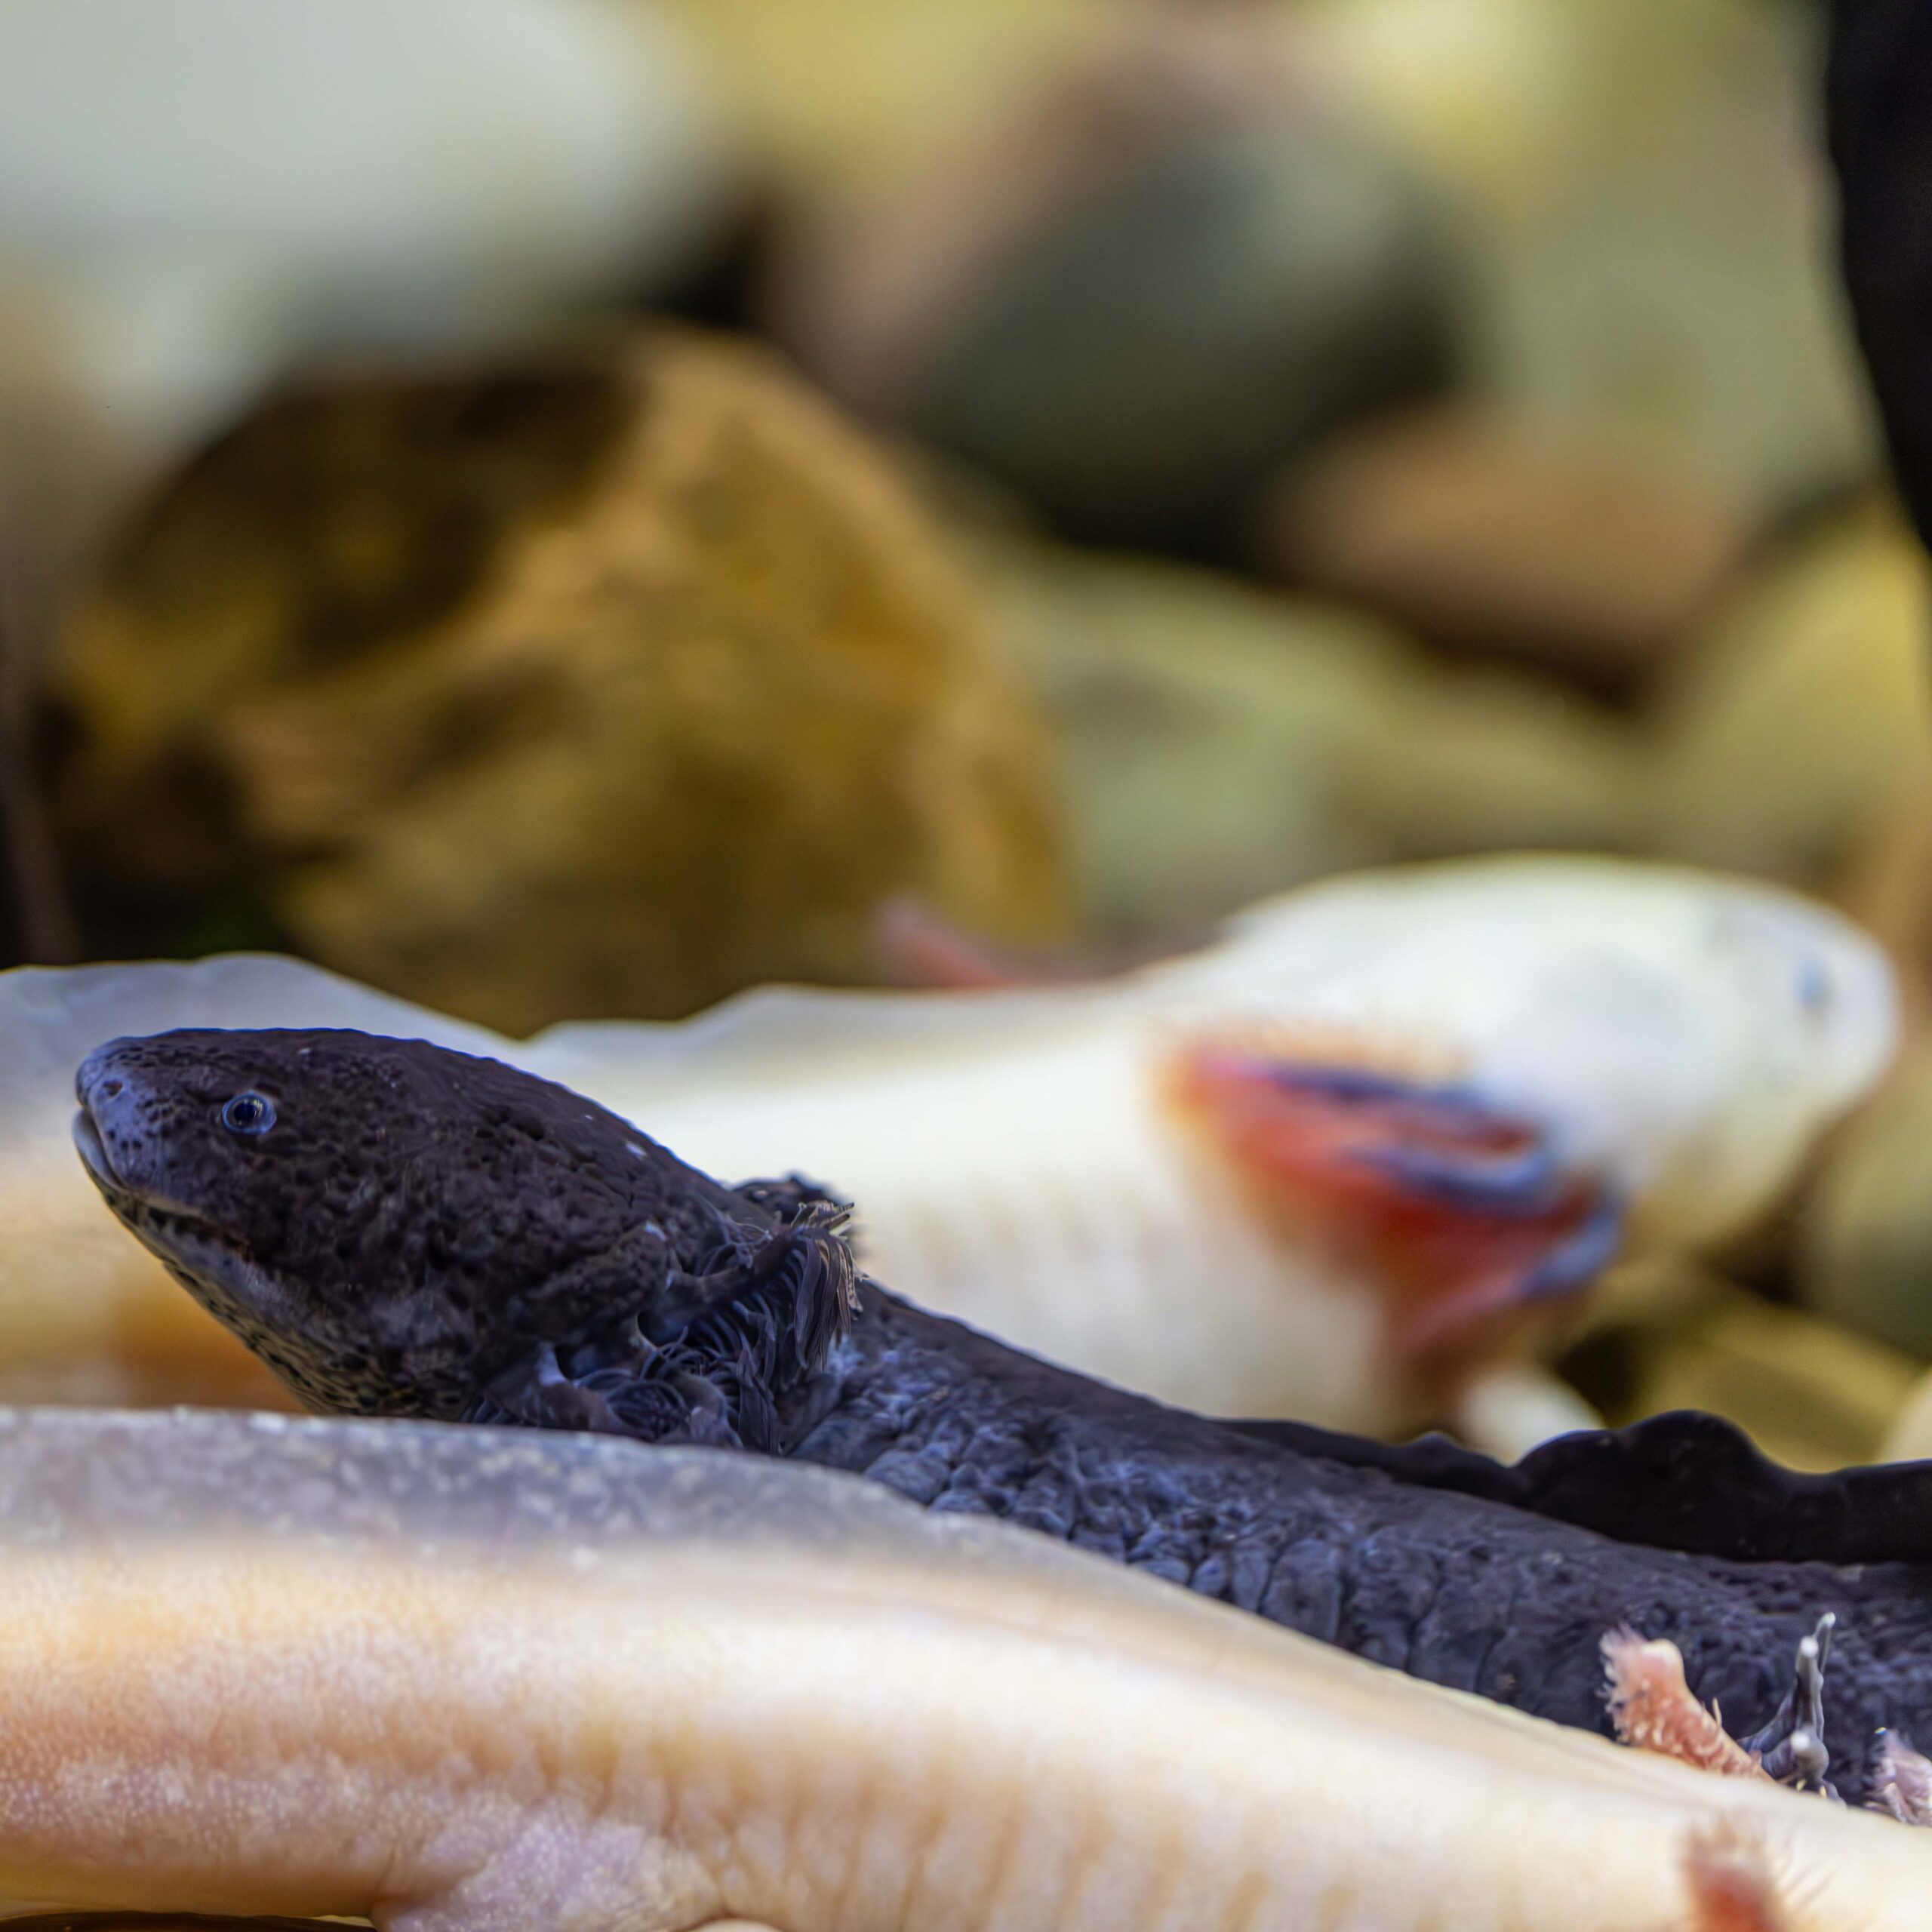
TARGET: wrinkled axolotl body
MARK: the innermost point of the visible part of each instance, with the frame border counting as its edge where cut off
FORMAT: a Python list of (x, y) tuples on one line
[(462, 1681)]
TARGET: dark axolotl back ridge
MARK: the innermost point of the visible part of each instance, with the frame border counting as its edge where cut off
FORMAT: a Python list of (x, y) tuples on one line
[(402, 1230)]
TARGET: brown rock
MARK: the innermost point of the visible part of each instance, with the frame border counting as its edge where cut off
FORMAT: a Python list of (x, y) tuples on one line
[(1485, 540), (603, 687)]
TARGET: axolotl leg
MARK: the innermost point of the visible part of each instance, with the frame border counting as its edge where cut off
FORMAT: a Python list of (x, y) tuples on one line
[(1652, 1708)]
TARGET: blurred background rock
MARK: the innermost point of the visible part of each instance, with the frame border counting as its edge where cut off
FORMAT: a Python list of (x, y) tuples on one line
[(1812, 1393), (1144, 455), (608, 686), (1867, 1257), (1486, 350), (1140, 288), (197, 200)]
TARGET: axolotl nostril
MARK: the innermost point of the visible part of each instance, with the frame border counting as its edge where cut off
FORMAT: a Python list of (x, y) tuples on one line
[(399, 1229)]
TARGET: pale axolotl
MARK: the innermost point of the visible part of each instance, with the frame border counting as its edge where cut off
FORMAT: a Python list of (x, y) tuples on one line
[(479, 1679)]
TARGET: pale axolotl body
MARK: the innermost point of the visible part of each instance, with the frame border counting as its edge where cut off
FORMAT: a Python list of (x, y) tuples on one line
[(402, 1230), (471, 1680), (1388, 1126)]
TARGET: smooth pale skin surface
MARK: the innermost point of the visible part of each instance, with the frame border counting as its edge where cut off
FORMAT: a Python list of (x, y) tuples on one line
[(1683, 1032), (1680, 1037), (470, 1678)]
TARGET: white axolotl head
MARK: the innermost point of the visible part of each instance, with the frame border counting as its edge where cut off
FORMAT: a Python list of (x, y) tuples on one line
[(1682, 1036)]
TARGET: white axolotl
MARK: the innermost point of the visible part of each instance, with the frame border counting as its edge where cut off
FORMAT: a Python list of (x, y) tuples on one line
[(1330, 1166), (458, 1680)]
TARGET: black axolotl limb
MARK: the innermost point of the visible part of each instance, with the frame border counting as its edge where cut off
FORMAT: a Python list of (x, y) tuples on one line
[(1651, 1707), (402, 1230), (1791, 1747)]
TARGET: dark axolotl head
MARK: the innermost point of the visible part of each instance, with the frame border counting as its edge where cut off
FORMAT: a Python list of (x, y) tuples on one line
[(399, 1229)]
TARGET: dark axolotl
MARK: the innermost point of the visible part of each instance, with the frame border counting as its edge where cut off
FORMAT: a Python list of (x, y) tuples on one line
[(402, 1230)]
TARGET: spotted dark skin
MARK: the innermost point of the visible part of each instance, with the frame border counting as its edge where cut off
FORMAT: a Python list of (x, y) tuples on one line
[(398, 1229)]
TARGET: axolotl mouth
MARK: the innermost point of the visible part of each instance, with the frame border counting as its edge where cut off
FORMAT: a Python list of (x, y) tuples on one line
[(187, 1244), (128, 1161), (112, 1135), (101, 1171)]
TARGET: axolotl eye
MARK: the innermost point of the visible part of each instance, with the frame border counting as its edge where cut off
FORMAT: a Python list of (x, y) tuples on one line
[(248, 1112)]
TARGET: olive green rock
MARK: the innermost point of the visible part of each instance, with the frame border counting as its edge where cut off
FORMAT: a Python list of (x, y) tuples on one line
[(1866, 1249), (1812, 1393), (1222, 741)]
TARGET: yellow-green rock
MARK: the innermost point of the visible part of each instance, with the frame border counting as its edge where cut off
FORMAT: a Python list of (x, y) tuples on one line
[(1865, 1252), (1640, 181), (1812, 1394), (1221, 741), (1909, 1439), (1802, 717)]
